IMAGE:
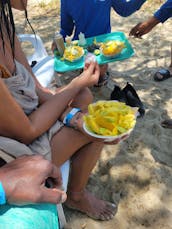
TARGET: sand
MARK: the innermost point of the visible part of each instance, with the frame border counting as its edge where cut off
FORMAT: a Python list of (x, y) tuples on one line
[(136, 174)]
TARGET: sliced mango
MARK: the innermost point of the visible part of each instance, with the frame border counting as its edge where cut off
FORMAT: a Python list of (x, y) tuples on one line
[(110, 118)]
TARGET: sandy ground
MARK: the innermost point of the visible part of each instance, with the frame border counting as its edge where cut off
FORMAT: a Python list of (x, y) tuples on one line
[(136, 174)]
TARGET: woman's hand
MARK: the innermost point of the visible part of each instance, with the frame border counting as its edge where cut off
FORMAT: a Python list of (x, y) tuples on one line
[(89, 76), (24, 181), (77, 122)]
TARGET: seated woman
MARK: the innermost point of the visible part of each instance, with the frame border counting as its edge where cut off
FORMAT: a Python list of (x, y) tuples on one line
[(46, 122)]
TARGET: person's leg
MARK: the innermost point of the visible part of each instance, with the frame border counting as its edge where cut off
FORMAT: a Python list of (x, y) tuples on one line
[(70, 143), (82, 99), (104, 75)]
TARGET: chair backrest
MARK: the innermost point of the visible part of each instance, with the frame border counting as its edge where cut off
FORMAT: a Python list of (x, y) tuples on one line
[(44, 72), (37, 44), (44, 63)]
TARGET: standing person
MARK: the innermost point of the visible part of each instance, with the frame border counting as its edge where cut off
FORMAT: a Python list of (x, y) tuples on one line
[(36, 121), (160, 16), (93, 18)]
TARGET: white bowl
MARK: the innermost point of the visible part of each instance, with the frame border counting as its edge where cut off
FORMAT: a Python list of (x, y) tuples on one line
[(111, 138), (106, 138), (76, 59)]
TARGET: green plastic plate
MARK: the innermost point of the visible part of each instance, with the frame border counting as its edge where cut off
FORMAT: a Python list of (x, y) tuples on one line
[(127, 52)]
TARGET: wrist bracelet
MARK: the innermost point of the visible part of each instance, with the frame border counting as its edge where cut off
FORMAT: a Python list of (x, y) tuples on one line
[(70, 115), (2, 195)]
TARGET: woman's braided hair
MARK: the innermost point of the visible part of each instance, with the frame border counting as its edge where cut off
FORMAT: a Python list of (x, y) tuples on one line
[(7, 21)]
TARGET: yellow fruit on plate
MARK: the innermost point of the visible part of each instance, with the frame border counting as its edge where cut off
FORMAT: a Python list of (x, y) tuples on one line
[(112, 48), (110, 118), (73, 53)]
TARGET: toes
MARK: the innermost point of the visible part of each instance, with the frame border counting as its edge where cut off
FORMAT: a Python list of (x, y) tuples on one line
[(106, 216), (112, 207), (108, 212)]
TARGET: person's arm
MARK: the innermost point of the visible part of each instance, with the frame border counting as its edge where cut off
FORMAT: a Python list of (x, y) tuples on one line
[(164, 12), (144, 27), (15, 124), (67, 24), (160, 15), (125, 8), (19, 4), (24, 181), (44, 93)]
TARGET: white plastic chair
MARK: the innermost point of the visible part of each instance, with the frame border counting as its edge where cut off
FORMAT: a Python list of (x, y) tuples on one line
[(65, 175), (44, 67), (44, 72)]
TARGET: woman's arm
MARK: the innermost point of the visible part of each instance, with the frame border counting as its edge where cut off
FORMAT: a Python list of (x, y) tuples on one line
[(15, 124), (19, 4), (43, 93)]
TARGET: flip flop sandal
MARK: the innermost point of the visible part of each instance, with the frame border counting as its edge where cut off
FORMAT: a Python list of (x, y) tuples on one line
[(103, 80), (133, 100), (118, 94), (167, 123), (162, 74)]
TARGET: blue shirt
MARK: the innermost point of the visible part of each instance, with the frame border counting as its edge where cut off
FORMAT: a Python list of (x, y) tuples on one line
[(164, 12), (92, 17)]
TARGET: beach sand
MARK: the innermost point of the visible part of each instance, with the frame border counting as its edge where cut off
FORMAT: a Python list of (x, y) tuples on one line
[(137, 173)]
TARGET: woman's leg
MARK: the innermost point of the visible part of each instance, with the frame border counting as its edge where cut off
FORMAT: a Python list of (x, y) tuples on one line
[(82, 99), (69, 143)]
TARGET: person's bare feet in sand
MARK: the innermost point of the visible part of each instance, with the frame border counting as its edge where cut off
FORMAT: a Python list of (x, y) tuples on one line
[(167, 123), (87, 203)]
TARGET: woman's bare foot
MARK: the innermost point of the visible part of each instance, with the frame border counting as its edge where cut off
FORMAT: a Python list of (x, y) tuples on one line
[(167, 123), (87, 203)]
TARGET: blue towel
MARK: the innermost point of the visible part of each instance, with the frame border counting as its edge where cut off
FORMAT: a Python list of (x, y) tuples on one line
[(38, 216)]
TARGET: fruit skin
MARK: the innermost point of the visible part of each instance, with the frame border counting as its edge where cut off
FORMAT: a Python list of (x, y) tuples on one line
[(110, 118)]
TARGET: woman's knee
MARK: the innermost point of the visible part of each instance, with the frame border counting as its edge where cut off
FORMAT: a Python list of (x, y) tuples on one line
[(84, 98)]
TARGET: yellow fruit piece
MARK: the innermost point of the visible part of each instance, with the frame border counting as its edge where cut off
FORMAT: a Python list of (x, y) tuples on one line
[(91, 124), (105, 132), (104, 123), (91, 109), (112, 47)]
